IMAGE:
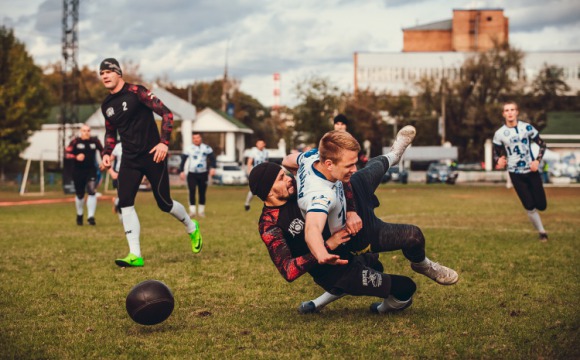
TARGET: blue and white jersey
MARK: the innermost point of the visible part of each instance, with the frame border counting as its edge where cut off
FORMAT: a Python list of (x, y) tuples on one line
[(317, 194), (117, 154), (197, 158), (259, 156), (517, 143)]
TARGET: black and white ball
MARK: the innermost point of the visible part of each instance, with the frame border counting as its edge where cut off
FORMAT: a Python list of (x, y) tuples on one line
[(150, 302)]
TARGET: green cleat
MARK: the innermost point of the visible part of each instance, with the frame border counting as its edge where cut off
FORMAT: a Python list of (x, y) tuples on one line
[(196, 242), (130, 261)]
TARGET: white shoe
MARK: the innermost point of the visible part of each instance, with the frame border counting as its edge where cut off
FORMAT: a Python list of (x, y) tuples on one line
[(404, 138), (441, 274)]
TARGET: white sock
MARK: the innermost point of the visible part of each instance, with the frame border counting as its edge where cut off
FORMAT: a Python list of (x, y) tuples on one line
[(192, 210), (393, 158), (325, 299), (391, 303), (91, 205), (79, 203), (178, 212), (249, 198), (132, 229), (201, 209), (534, 216), (426, 262)]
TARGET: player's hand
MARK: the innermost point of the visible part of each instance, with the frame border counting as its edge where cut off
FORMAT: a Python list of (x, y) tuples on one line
[(159, 152), (353, 222), (80, 157), (534, 165), (501, 163), (338, 238), (211, 172), (106, 163), (114, 175), (182, 175), (331, 259)]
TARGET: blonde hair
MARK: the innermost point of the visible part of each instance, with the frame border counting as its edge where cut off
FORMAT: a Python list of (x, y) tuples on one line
[(511, 103), (333, 143)]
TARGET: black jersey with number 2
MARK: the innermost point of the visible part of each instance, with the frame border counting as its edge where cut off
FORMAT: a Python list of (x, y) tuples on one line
[(130, 113)]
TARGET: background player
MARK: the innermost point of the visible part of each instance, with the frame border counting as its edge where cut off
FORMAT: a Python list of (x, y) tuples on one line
[(512, 147), (128, 110), (195, 162), (258, 155), (83, 149)]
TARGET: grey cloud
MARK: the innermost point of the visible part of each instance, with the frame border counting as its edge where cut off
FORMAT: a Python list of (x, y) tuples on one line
[(535, 18)]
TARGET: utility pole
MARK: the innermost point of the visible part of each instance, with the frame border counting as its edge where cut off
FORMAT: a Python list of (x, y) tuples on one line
[(70, 86)]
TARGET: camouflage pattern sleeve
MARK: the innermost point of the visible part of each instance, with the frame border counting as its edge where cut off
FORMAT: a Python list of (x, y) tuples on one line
[(349, 196), (154, 103), (538, 140), (290, 268), (110, 137), (69, 152)]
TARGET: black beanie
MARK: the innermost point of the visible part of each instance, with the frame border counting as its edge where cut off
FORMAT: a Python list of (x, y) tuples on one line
[(262, 179), (111, 64), (341, 118)]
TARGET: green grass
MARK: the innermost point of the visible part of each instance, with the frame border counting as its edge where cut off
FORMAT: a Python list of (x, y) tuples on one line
[(62, 297)]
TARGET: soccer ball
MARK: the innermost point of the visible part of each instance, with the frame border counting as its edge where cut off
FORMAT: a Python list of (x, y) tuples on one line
[(149, 302)]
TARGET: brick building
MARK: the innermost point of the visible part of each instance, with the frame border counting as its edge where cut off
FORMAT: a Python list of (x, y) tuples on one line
[(469, 30)]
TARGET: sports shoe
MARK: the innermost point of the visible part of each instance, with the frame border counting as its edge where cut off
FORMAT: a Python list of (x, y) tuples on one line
[(441, 274), (79, 219), (130, 260), (196, 241), (307, 307), (91, 221), (247, 207), (375, 307), (543, 237), (404, 138)]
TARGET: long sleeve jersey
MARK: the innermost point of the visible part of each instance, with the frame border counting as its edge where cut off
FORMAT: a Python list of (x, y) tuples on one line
[(87, 147), (130, 113)]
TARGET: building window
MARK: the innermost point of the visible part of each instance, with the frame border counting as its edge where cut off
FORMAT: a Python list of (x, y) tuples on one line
[(489, 18)]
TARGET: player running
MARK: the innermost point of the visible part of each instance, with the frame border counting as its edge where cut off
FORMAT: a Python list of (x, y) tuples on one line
[(83, 150), (512, 147), (128, 111)]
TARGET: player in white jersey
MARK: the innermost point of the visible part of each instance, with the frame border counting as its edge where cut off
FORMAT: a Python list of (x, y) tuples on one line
[(321, 176), (195, 164), (512, 147), (258, 154)]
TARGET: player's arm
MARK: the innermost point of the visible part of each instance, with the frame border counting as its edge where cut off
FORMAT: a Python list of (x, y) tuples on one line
[(249, 165), (110, 142), (542, 144), (290, 162), (289, 267), (315, 222), (70, 151), (499, 156), (212, 162), (152, 102), (353, 221)]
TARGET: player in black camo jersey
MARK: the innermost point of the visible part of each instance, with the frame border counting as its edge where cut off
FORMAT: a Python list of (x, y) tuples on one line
[(128, 111), (83, 150)]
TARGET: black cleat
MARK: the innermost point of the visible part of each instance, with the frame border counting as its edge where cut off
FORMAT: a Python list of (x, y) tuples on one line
[(91, 221), (247, 207), (307, 307), (79, 220), (543, 237)]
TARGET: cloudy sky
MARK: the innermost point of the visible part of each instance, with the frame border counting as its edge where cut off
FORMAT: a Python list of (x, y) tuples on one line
[(187, 40)]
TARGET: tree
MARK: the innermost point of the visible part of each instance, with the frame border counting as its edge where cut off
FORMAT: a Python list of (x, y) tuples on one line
[(313, 115), (23, 98)]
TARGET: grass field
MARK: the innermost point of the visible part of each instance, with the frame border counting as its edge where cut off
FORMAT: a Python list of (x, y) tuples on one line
[(62, 297)]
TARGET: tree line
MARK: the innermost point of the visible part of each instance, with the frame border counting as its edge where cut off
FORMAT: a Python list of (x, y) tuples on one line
[(472, 102)]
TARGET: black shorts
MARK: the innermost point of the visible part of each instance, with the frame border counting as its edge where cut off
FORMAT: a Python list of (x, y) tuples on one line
[(530, 190), (362, 276), (85, 179)]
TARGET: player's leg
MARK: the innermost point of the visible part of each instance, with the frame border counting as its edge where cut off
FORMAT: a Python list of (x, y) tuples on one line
[(191, 186), (158, 176), (404, 138), (315, 305), (80, 183), (202, 183), (249, 197), (525, 190), (129, 180), (92, 197), (410, 239)]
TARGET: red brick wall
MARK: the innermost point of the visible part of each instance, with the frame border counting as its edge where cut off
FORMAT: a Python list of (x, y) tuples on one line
[(429, 40), (475, 30)]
